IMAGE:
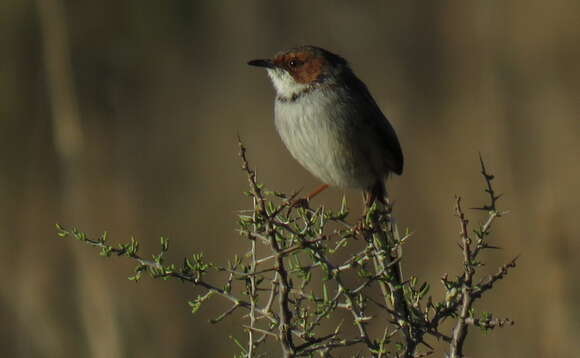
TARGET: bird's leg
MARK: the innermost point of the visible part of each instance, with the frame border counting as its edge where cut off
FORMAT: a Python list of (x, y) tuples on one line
[(322, 188), (304, 201)]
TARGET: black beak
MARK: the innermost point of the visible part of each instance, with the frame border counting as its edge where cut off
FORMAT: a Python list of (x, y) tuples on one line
[(262, 63)]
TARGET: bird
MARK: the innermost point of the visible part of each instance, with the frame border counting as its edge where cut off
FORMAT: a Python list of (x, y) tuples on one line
[(330, 122)]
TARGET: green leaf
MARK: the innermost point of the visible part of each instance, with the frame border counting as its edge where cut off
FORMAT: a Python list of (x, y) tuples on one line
[(103, 237), (423, 290), (244, 351), (197, 302), (164, 244)]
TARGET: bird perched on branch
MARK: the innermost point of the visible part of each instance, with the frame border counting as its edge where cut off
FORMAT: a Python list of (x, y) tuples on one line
[(330, 123)]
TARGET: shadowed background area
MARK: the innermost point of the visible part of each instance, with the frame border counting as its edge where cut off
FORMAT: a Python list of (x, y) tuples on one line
[(122, 116)]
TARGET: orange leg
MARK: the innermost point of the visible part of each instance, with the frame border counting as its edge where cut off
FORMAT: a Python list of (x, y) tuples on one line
[(322, 188), (304, 201)]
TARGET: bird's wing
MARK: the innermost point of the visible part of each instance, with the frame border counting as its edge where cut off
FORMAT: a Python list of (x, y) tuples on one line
[(378, 123)]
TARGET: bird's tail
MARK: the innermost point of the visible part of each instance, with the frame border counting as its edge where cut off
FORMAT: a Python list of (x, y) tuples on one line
[(377, 192)]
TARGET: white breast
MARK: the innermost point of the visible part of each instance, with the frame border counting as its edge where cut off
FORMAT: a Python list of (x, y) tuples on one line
[(317, 134)]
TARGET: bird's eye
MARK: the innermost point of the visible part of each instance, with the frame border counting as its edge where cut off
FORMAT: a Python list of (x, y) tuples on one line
[(294, 63)]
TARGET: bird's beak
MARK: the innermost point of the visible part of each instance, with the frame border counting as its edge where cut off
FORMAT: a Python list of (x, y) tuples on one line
[(262, 63)]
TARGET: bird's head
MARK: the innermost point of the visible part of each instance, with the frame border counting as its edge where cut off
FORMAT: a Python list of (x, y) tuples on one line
[(298, 69)]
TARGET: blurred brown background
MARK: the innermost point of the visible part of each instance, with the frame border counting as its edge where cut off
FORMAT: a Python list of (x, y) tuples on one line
[(122, 116)]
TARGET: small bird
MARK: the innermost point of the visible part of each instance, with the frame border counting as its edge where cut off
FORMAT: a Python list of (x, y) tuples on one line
[(330, 123)]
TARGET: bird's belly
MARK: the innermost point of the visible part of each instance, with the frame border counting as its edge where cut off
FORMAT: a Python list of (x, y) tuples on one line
[(323, 145)]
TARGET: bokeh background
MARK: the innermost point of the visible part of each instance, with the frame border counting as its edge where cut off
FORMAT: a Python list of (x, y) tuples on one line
[(122, 116)]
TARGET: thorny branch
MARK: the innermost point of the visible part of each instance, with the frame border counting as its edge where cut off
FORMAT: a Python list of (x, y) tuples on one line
[(252, 294), (312, 283), (285, 326), (469, 291), (460, 331)]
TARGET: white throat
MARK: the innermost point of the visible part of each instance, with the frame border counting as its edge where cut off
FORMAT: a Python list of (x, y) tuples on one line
[(285, 85)]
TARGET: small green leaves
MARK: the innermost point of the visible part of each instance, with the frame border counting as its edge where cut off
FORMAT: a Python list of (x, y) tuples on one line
[(103, 238), (304, 266), (106, 251), (424, 290), (61, 231), (164, 244), (139, 269), (197, 302), (198, 264), (133, 247)]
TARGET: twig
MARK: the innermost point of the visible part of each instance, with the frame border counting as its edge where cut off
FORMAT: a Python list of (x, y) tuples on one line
[(258, 330), (489, 323), (489, 188), (285, 335), (226, 313), (300, 248), (461, 327), (252, 295), (488, 283), (384, 243)]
